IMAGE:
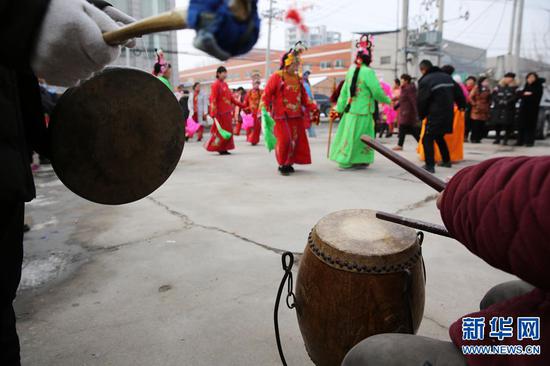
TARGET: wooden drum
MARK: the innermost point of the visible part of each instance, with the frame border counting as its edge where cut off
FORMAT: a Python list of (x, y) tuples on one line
[(359, 276)]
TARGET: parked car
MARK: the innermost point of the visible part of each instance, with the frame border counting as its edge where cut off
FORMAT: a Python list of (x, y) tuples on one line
[(543, 126), (323, 102)]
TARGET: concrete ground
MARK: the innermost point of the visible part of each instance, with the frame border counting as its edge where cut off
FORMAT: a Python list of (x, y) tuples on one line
[(188, 276)]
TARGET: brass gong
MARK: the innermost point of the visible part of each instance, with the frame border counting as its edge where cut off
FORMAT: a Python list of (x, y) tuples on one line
[(117, 137)]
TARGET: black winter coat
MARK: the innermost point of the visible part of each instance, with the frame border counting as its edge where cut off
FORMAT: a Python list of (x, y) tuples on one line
[(530, 104), (437, 93), (504, 105), (22, 127)]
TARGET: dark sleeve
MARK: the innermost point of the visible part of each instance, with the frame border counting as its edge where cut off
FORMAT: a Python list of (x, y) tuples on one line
[(499, 210), (33, 113), (458, 95), (183, 103), (423, 100), (538, 93), (20, 23), (412, 100)]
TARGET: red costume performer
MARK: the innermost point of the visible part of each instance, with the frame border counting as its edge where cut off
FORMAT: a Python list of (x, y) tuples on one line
[(238, 95), (221, 109), (499, 210), (284, 97), (252, 102)]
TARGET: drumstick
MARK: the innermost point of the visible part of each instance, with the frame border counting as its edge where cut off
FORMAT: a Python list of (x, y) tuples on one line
[(415, 170), (415, 224), (172, 20), (330, 123)]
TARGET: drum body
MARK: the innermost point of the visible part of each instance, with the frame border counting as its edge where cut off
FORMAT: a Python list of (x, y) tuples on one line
[(359, 276)]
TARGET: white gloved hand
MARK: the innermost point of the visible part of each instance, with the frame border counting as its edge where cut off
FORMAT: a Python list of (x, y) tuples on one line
[(70, 44), (122, 19)]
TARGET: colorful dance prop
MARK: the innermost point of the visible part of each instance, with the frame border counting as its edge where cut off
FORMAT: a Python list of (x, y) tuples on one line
[(226, 135), (191, 126), (412, 168), (268, 124), (248, 121)]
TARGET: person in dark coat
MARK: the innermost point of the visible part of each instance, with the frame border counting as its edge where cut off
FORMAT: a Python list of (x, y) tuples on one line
[(499, 211), (437, 93), (35, 31), (480, 98), (531, 96), (408, 114), (504, 107)]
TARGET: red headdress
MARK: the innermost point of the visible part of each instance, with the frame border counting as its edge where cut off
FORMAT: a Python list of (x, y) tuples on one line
[(293, 55), (365, 46), (161, 64)]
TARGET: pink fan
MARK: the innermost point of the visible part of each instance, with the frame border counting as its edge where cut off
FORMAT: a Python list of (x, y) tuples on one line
[(248, 121), (387, 110), (191, 126)]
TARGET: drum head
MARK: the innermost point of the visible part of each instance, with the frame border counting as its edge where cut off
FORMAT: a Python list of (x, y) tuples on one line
[(357, 237), (117, 137)]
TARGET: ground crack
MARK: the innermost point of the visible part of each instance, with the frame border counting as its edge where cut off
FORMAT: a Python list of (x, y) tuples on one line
[(436, 322), (418, 204), (190, 223), (129, 243)]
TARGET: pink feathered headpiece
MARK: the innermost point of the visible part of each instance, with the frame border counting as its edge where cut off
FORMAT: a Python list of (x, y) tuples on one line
[(161, 61), (365, 45)]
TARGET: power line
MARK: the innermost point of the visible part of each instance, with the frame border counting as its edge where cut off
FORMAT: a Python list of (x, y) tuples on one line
[(494, 35), (478, 17)]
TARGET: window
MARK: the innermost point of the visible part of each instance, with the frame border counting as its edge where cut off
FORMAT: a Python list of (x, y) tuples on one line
[(339, 64), (385, 60), (325, 65), (307, 67)]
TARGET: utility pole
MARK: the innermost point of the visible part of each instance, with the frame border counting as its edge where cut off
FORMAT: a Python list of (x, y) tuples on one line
[(509, 64), (268, 49), (440, 21), (404, 34), (517, 54)]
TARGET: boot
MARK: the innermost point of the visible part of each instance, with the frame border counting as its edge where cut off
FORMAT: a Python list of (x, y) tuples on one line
[(430, 169)]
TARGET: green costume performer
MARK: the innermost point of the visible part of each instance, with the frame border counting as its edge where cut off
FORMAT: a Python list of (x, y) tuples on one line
[(356, 106)]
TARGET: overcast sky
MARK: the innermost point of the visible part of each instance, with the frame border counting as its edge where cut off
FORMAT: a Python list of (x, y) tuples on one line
[(488, 26)]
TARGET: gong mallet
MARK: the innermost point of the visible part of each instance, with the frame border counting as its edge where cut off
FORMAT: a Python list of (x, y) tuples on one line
[(415, 224), (409, 166), (330, 123)]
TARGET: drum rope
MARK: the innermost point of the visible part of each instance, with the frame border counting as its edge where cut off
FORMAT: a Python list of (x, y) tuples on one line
[(407, 290), (287, 261)]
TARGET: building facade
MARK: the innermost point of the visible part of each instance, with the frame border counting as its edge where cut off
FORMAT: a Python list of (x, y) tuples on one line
[(315, 36), (329, 63), (499, 65), (388, 56), (143, 55)]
